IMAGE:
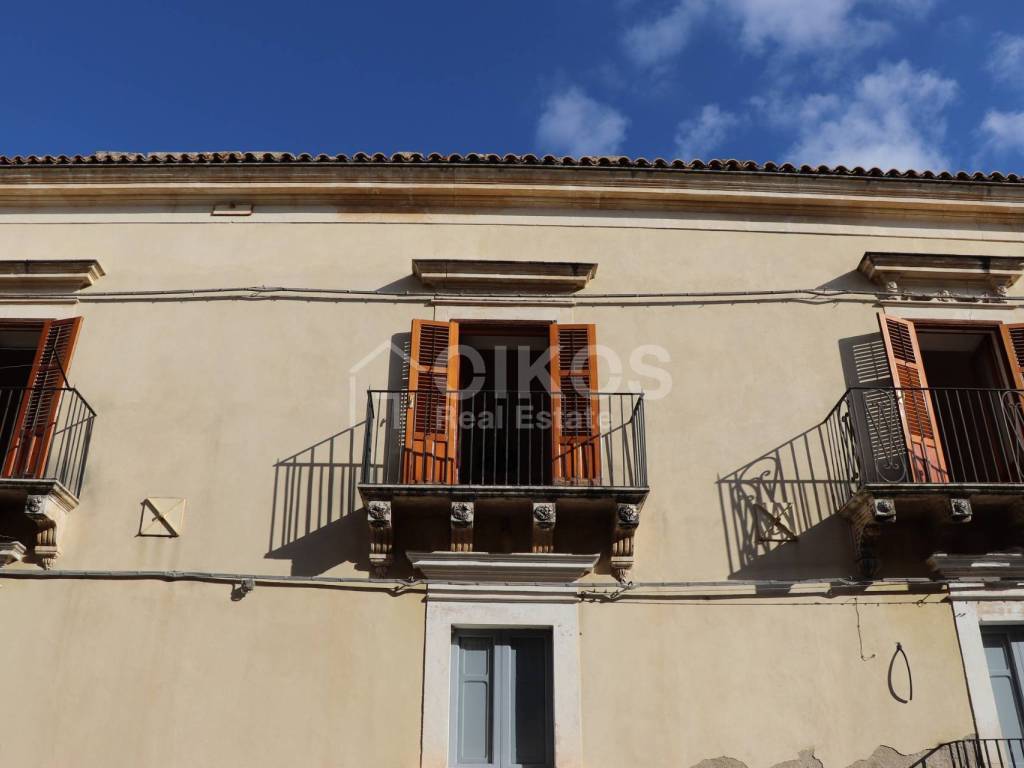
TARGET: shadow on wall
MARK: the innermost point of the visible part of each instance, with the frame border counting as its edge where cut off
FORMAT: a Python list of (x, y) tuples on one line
[(779, 509), (317, 519)]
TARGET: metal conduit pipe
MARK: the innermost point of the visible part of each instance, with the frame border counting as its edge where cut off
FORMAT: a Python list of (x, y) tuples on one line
[(271, 579), (427, 296)]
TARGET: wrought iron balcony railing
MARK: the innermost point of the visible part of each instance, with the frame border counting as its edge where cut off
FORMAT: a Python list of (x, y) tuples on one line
[(493, 438), (926, 437), (45, 434)]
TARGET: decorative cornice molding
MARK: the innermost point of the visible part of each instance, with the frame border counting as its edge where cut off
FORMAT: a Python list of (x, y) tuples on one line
[(11, 551), (994, 565), (49, 275), (510, 276), (897, 272), (446, 187), (516, 567)]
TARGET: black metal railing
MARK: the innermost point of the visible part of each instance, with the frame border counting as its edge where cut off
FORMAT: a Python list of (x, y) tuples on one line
[(935, 436), (504, 438), (975, 753), (45, 434)]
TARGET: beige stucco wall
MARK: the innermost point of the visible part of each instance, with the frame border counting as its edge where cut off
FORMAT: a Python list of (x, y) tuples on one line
[(763, 680), (147, 673), (201, 398)]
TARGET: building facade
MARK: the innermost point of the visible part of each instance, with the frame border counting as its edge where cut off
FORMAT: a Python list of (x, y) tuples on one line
[(478, 460)]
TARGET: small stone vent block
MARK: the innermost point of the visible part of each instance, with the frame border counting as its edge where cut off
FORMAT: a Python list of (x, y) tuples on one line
[(162, 516)]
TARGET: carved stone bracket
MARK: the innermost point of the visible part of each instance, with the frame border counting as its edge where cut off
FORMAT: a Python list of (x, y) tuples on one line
[(382, 537), (50, 513), (960, 510), (627, 519), (543, 539), (462, 526), (867, 521)]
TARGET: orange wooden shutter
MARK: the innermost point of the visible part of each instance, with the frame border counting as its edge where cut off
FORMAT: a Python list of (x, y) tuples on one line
[(1013, 342), (431, 426), (1013, 405), (920, 429), (575, 428), (37, 414)]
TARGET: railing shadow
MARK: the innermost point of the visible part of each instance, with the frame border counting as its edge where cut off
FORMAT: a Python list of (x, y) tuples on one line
[(779, 510), (974, 753), (317, 520)]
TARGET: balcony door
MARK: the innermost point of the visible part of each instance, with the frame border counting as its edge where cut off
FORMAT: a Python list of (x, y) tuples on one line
[(34, 358), (957, 393), (502, 403), (976, 411)]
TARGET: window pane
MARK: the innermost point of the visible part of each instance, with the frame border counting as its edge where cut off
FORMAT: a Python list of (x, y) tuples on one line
[(1004, 683), (474, 697), (995, 653), (1002, 687), (474, 724), (530, 730), (476, 655)]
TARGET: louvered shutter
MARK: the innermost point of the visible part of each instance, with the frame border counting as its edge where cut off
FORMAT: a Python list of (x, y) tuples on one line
[(1013, 403), (1013, 342), (37, 415), (920, 429), (575, 429), (431, 432)]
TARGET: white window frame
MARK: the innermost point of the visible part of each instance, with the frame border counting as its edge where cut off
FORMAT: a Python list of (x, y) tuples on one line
[(974, 608), (468, 607)]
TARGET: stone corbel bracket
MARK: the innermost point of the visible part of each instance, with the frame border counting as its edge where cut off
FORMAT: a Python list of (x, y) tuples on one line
[(866, 521), (627, 520), (543, 522), (49, 511), (462, 514), (382, 537)]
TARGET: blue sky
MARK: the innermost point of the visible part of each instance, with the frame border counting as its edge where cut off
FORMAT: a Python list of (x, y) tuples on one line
[(920, 84)]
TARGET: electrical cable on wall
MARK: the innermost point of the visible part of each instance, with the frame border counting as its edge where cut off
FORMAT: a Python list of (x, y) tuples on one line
[(899, 652), (264, 291)]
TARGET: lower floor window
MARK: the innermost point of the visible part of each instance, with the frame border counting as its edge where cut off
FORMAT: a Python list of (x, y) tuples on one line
[(501, 707), (1004, 652)]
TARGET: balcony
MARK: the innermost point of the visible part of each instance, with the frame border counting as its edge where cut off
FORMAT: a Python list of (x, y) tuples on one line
[(529, 457), (45, 434), (954, 451)]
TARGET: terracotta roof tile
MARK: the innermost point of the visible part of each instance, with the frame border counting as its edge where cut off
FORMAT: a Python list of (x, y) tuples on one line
[(477, 158)]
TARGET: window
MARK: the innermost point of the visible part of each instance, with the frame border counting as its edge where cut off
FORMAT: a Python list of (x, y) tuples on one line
[(502, 404), (1004, 653), (501, 699), (958, 392), (34, 358)]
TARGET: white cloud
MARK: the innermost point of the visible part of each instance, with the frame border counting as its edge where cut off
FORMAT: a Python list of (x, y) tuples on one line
[(701, 135), (802, 26), (894, 119), (1006, 62), (575, 124), (913, 7), (1004, 130), (790, 27), (651, 43)]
